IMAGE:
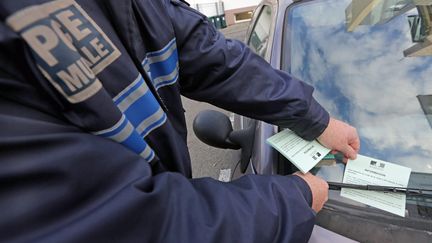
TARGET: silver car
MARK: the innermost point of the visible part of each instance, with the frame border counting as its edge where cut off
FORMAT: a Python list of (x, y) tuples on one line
[(370, 62)]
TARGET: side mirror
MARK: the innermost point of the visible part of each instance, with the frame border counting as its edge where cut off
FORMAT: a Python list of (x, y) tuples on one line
[(214, 128)]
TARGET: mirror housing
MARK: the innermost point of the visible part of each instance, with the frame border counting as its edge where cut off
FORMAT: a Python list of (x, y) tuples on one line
[(214, 128)]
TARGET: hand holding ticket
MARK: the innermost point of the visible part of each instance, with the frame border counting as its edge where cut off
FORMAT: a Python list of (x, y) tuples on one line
[(361, 171), (303, 154)]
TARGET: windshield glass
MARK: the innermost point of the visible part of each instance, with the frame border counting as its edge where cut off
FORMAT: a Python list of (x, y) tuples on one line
[(368, 76), (370, 62)]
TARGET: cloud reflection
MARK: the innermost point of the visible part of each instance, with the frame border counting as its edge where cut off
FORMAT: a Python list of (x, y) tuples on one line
[(362, 77)]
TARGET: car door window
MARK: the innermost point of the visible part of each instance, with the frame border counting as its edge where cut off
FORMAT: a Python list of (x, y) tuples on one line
[(258, 40)]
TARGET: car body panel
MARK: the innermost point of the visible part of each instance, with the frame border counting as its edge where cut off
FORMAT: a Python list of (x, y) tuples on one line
[(337, 215)]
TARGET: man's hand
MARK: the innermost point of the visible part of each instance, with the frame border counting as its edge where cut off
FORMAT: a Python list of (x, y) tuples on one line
[(341, 137), (319, 189)]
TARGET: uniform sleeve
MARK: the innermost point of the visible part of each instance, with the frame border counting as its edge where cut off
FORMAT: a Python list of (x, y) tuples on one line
[(228, 74), (59, 184)]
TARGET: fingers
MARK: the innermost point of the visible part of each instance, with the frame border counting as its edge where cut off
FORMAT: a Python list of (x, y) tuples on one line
[(349, 152), (341, 137), (319, 189), (345, 160), (353, 139), (353, 146), (356, 143)]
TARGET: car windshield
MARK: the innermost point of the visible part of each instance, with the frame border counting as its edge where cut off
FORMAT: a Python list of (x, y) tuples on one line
[(370, 62)]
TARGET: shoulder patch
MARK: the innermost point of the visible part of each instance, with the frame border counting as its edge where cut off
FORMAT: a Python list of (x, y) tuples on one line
[(70, 49)]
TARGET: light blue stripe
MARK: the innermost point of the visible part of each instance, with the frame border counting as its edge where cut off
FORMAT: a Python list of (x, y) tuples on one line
[(147, 153), (155, 117), (166, 67), (150, 157), (162, 65), (162, 57), (153, 126), (139, 92), (142, 108), (163, 50), (124, 134), (167, 82), (115, 131), (135, 142), (126, 92)]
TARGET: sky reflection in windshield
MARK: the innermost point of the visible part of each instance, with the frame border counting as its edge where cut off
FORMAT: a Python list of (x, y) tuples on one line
[(363, 77)]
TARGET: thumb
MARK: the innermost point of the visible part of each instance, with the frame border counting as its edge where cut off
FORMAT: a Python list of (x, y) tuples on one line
[(349, 152)]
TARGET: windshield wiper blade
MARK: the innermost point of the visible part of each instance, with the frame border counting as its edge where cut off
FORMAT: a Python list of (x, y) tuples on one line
[(408, 191)]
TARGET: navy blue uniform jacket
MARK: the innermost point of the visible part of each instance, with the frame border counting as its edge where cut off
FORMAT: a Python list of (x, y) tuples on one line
[(93, 136)]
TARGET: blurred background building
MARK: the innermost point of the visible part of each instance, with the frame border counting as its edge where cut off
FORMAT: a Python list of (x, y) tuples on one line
[(375, 12), (421, 30), (223, 13)]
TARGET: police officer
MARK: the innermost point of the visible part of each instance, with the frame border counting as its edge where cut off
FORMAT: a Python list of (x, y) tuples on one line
[(93, 136)]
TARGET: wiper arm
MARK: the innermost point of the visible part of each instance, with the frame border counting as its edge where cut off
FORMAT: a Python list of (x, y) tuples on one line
[(408, 191)]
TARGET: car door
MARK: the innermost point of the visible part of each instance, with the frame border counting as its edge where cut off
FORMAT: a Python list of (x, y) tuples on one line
[(260, 38)]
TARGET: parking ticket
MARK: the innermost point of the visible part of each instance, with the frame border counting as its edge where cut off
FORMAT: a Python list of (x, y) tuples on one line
[(303, 154), (369, 171)]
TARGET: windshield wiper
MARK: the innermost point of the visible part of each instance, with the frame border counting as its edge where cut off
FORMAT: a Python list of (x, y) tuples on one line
[(408, 191)]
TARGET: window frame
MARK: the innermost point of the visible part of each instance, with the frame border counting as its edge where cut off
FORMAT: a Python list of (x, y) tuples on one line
[(255, 18)]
